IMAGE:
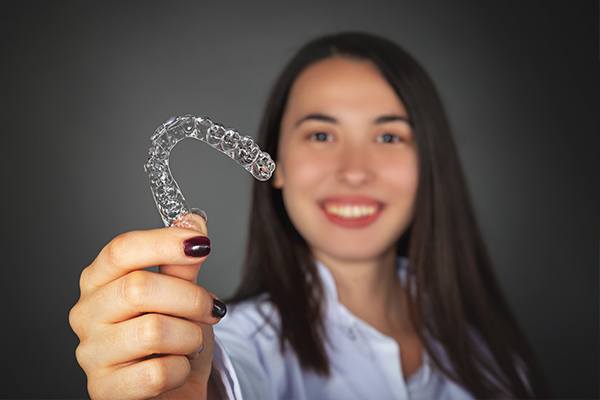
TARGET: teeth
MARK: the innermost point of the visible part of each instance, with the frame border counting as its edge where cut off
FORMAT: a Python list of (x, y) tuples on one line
[(351, 211)]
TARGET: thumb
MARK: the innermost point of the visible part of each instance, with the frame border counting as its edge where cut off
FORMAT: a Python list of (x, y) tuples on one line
[(196, 221)]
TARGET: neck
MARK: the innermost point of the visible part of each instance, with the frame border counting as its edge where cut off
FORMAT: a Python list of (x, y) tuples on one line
[(370, 289)]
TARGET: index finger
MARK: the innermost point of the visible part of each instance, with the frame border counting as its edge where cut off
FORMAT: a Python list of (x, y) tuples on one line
[(134, 250)]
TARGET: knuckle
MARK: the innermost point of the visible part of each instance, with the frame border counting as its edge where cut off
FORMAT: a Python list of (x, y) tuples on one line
[(79, 320), (155, 376), (74, 318), (151, 332), (201, 301), (83, 278), (136, 287), (81, 355), (114, 248)]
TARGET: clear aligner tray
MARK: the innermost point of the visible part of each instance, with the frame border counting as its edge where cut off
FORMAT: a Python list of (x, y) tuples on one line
[(169, 199)]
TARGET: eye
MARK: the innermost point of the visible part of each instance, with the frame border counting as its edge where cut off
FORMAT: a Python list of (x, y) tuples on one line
[(390, 138), (320, 136)]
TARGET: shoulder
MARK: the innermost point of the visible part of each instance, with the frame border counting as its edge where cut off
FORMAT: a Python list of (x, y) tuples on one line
[(247, 348)]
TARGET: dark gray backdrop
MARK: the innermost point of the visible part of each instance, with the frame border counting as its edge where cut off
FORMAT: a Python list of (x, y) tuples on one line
[(85, 84)]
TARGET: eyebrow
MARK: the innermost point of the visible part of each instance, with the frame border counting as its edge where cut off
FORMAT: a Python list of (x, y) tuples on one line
[(382, 119)]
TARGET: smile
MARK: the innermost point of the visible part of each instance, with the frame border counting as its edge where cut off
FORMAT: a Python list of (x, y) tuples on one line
[(352, 213)]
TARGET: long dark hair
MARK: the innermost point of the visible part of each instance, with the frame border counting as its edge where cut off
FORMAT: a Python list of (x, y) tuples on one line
[(456, 289)]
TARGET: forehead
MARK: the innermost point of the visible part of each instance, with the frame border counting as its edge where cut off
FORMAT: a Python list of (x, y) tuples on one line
[(338, 84)]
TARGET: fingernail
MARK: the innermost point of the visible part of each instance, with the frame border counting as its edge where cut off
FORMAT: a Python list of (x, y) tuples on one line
[(219, 309), (201, 213), (198, 246), (189, 222)]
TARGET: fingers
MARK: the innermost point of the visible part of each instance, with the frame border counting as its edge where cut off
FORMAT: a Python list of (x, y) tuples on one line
[(142, 380), (137, 327), (140, 249), (140, 337), (149, 292)]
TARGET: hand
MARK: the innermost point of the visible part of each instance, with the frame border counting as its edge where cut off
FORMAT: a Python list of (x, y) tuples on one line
[(139, 330)]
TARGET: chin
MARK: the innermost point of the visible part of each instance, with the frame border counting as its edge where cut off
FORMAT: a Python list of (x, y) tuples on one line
[(351, 252)]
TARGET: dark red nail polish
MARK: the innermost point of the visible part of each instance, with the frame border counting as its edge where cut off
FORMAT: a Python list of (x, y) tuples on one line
[(198, 246), (219, 309)]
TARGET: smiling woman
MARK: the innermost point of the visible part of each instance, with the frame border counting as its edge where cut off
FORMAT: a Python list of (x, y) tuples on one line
[(349, 102), (366, 275)]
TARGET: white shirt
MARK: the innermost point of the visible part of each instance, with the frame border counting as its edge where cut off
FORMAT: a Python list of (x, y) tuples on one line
[(365, 364)]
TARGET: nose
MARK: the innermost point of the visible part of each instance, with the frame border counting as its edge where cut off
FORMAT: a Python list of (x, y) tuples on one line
[(354, 166)]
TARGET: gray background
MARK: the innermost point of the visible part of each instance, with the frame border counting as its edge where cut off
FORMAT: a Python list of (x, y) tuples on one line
[(85, 84)]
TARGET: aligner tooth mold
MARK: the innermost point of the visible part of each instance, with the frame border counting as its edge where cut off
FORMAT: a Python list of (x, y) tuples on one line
[(167, 194)]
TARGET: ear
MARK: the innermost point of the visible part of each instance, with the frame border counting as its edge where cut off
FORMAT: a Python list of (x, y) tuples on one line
[(278, 177)]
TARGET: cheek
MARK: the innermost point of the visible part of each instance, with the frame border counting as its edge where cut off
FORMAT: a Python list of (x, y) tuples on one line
[(305, 169), (400, 174), (305, 174)]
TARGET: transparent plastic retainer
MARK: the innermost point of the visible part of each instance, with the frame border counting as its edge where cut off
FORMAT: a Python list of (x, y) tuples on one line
[(169, 199)]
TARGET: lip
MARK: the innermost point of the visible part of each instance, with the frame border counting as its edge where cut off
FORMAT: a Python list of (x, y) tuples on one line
[(352, 200)]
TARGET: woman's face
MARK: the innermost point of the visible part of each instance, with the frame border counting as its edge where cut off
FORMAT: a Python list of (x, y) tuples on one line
[(347, 164)]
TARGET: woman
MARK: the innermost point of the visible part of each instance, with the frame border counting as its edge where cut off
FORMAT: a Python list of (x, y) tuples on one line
[(366, 275)]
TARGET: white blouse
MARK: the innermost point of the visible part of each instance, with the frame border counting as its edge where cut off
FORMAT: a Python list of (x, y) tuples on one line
[(365, 364)]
